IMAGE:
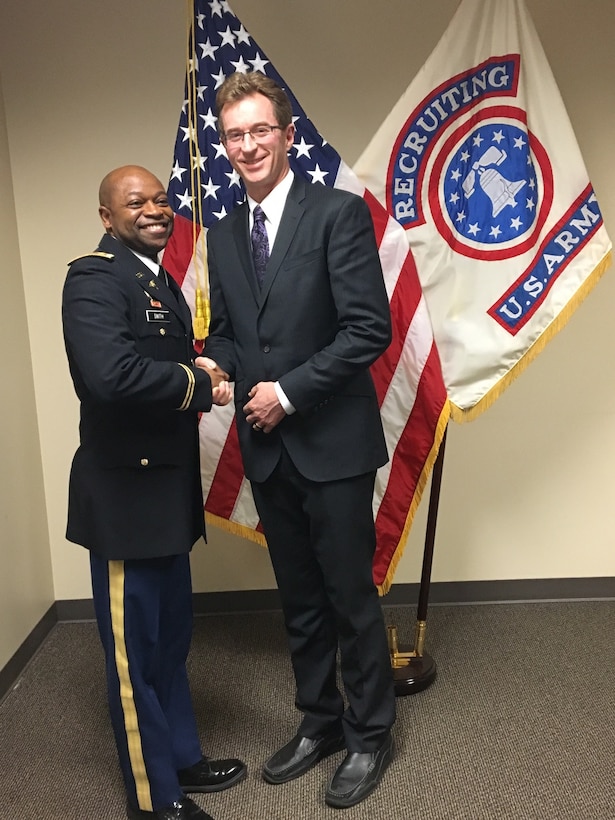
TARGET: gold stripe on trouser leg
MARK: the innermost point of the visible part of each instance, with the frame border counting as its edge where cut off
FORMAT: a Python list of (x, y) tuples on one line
[(131, 721)]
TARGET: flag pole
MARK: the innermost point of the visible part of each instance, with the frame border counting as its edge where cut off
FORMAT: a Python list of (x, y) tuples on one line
[(416, 670)]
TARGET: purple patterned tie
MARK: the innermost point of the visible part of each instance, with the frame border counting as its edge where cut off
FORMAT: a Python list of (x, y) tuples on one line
[(260, 244)]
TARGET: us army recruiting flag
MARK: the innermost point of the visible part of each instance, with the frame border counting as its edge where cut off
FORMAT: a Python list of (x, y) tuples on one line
[(408, 378), (479, 163)]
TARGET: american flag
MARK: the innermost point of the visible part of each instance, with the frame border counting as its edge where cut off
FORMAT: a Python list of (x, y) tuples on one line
[(203, 188)]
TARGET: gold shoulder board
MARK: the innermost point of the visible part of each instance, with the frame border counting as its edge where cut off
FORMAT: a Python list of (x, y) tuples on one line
[(108, 256)]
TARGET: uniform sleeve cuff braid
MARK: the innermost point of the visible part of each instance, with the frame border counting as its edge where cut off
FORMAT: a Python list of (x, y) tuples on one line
[(189, 390)]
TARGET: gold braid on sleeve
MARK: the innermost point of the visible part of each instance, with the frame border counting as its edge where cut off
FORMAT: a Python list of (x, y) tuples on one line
[(190, 389)]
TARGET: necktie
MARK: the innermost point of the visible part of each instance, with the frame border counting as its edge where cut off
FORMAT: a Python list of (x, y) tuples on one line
[(260, 244)]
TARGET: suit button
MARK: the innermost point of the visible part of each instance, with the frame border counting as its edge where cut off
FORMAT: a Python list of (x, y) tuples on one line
[(162, 331), (145, 462), (267, 349)]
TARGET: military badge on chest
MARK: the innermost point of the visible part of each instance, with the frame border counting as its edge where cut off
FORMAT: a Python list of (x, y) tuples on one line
[(156, 313)]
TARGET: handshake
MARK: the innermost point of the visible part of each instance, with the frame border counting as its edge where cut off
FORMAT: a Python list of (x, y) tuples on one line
[(221, 391)]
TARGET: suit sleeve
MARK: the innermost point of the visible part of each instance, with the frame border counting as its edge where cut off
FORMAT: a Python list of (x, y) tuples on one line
[(102, 346), (363, 315)]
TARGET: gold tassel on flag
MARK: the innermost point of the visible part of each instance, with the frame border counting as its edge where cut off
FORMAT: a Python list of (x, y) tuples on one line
[(202, 315), (202, 309)]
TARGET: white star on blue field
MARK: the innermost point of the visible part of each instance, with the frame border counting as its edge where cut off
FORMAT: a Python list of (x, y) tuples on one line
[(490, 186)]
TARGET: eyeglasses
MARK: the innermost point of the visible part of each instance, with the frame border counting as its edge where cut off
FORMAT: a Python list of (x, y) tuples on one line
[(259, 133)]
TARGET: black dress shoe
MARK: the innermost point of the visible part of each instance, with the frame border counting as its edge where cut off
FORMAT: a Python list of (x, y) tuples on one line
[(358, 775), (300, 754), (184, 809), (211, 775)]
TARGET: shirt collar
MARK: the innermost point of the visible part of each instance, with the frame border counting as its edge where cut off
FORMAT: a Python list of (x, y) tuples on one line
[(153, 266), (273, 204)]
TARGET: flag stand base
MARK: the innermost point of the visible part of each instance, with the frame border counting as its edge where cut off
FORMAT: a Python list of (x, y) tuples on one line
[(416, 670), (412, 671), (416, 675)]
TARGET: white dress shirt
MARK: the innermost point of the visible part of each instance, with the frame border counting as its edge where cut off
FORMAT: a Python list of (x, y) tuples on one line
[(273, 208)]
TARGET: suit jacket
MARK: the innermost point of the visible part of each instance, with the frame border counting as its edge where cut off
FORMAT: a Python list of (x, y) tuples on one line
[(319, 322), (135, 488)]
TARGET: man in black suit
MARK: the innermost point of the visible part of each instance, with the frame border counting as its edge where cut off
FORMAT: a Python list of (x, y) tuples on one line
[(135, 498), (297, 329)]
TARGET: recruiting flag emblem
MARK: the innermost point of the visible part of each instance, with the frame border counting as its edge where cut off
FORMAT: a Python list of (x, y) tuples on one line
[(478, 162)]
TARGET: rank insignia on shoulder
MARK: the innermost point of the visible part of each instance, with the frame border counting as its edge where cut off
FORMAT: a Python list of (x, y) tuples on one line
[(108, 256)]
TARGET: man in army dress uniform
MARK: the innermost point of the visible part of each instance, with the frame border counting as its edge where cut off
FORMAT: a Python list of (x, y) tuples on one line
[(135, 499)]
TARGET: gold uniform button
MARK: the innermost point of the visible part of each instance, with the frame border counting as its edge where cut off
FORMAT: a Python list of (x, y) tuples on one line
[(162, 331), (145, 462)]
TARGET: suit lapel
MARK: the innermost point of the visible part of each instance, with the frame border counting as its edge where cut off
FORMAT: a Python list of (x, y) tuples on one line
[(242, 243), (291, 217)]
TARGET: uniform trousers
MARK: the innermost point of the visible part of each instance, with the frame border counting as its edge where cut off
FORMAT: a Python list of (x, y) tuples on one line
[(321, 541), (144, 615)]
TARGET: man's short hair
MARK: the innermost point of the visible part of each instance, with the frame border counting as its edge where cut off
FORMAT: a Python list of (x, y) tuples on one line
[(238, 85)]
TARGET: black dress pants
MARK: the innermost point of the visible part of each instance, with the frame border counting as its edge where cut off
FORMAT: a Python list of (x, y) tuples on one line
[(321, 540)]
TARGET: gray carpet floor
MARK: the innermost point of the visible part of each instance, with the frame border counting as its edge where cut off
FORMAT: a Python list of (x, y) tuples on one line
[(520, 722)]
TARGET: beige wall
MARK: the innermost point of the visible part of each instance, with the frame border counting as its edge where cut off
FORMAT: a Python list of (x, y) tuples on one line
[(89, 86), (26, 589)]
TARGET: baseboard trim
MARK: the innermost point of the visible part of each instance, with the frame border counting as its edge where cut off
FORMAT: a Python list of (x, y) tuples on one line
[(16, 665), (442, 593), (204, 603), (523, 590)]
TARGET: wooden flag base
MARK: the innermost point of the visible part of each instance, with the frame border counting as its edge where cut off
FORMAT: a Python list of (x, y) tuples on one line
[(416, 675)]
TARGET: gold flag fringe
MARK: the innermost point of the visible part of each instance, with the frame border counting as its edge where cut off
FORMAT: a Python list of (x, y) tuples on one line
[(461, 416), (236, 529), (385, 586)]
